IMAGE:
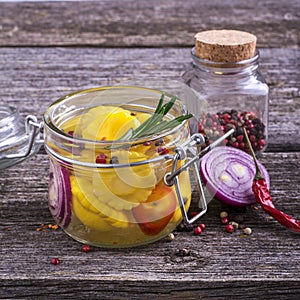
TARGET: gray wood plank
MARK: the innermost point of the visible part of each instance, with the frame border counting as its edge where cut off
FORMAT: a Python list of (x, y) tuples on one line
[(124, 36), (119, 23), (32, 78), (220, 264), (127, 289)]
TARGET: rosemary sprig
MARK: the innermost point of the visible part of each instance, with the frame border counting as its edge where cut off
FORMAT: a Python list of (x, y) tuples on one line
[(156, 124)]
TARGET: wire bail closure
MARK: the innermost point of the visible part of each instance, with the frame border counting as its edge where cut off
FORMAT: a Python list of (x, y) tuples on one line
[(171, 178), (32, 130)]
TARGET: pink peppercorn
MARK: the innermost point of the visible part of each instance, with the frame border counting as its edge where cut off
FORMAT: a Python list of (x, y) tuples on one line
[(235, 144), (85, 248), (229, 228), (260, 147), (202, 226), (101, 158), (55, 261), (214, 117), (242, 145), (226, 116), (197, 230), (240, 138), (224, 220), (262, 142)]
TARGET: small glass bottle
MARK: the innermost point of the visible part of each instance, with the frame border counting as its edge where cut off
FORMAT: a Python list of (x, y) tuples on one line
[(232, 93)]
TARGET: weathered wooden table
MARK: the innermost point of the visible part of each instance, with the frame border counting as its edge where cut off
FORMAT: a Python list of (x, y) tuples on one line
[(48, 49)]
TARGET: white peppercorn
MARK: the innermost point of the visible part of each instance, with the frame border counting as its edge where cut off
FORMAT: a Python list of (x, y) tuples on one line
[(223, 214), (171, 237), (247, 230), (234, 224)]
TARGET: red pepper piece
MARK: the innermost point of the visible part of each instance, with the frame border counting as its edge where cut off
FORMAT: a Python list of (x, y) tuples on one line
[(263, 197)]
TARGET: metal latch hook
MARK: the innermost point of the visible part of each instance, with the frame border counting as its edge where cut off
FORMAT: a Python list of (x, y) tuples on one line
[(171, 178)]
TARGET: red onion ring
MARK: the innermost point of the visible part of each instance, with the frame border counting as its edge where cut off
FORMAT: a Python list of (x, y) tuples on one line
[(228, 173), (60, 194)]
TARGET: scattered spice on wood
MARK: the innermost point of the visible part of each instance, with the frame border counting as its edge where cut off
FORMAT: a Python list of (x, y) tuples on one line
[(223, 214), (229, 228), (198, 230), (234, 224), (55, 261), (85, 248), (184, 227), (183, 252), (170, 237), (224, 220), (247, 230), (202, 226), (47, 227)]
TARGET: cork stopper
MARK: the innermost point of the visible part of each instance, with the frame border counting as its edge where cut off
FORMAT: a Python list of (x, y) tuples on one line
[(225, 45)]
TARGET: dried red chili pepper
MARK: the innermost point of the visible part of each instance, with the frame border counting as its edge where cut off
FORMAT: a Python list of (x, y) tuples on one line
[(263, 197)]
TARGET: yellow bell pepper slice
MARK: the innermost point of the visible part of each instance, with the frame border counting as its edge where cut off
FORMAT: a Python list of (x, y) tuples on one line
[(107, 122)]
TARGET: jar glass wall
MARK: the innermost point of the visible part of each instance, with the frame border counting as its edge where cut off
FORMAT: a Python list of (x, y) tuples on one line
[(111, 193)]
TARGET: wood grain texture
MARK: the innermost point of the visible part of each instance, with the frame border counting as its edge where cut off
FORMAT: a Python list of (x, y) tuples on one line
[(219, 263), (120, 23), (50, 49), (32, 78)]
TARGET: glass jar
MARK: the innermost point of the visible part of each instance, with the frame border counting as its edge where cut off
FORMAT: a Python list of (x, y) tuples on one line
[(113, 193), (234, 95), (103, 190)]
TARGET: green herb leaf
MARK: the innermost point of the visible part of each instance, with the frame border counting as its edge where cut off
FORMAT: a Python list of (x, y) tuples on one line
[(156, 124)]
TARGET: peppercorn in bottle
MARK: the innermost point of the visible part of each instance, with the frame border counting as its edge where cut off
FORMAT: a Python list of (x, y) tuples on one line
[(232, 92)]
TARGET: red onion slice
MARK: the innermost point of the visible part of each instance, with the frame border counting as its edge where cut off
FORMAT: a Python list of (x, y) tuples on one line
[(60, 194), (228, 173)]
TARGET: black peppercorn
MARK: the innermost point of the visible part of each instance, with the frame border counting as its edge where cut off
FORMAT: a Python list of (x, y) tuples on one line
[(114, 160), (183, 252)]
